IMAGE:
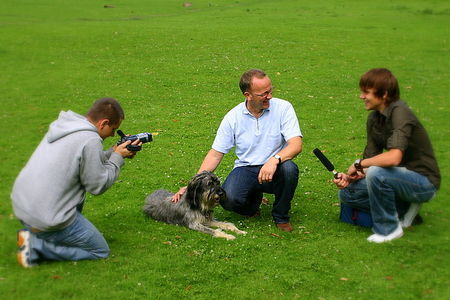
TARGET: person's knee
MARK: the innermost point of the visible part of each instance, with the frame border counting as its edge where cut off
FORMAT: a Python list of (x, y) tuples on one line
[(343, 195), (226, 203), (377, 176), (374, 172), (348, 196), (230, 199), (289, 170), (237, 203), (102, 252)]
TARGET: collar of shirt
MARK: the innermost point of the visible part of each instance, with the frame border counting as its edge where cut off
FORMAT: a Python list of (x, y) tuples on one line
[(388, 110), (245, 110)]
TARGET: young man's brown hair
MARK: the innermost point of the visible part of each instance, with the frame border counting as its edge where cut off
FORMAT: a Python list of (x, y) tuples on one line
[(384, 83), (106, 108)]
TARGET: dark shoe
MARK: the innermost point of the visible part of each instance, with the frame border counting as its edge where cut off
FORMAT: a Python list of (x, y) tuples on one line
[(256, 214), (417, 220), (285, 227)]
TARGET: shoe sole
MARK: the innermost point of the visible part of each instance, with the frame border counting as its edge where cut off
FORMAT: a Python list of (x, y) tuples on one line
[(21, 238), (376, 238), (24, 248)]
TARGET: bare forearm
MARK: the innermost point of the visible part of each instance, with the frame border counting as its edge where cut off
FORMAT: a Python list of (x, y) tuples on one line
[(391, 158), (293, 148), (211, 161)]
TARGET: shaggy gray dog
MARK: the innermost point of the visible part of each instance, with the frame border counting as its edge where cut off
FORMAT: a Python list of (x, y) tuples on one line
[(195, 208)]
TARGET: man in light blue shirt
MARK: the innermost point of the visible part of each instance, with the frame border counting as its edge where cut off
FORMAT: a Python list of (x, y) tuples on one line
[(266, 135)]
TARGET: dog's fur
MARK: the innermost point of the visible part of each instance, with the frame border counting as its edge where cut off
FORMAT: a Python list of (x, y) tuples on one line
[(195, 208)]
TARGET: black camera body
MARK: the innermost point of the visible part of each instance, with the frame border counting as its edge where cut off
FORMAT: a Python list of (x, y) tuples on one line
[(144, 137)]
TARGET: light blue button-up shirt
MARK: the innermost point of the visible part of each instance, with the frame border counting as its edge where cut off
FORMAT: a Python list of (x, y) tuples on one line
[(257, 139)]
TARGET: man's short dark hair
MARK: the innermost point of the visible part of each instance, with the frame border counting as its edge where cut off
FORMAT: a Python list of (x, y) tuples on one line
[(246, 79), (106, 108), (383, 82)]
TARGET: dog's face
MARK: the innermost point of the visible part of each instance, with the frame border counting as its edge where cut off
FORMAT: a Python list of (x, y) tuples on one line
[(204, 191)]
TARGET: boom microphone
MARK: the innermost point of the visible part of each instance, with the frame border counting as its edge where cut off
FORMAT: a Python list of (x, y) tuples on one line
[(324, 160)]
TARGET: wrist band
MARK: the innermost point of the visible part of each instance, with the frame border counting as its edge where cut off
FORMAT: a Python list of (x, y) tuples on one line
[(278, 157), (358, 166)]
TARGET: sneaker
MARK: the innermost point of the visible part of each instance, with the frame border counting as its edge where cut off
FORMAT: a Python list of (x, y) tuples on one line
[(23, 242), (410, 215), (378, 238)]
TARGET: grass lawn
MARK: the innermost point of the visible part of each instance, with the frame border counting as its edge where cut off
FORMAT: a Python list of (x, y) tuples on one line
[(175, 70)]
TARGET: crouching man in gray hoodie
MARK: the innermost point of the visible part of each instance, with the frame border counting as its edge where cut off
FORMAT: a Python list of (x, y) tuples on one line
[(49, 193)]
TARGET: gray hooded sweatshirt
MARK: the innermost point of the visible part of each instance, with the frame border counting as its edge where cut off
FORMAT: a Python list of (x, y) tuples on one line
[(68, 162)]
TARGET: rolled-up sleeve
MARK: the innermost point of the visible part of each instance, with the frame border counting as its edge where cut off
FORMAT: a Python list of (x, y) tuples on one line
[(403, 123)]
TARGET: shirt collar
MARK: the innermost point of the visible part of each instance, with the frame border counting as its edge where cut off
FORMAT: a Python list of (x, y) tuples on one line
[(388, 110), (245, 110)]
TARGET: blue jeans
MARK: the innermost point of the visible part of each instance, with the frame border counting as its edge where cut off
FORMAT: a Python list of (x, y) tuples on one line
[(78, 241), (244, 192), (386, 193)]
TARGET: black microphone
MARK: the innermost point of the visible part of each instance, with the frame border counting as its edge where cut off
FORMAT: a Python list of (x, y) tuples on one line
[(325, 161)]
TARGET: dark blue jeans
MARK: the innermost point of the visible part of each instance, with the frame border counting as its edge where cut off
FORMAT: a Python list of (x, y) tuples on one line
[(244, 192)]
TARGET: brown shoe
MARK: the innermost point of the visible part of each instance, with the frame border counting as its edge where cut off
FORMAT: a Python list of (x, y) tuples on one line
[(256, 214), (285, 227)]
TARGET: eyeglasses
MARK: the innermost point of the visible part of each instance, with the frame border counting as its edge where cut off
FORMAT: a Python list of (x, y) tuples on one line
[(265, 94)]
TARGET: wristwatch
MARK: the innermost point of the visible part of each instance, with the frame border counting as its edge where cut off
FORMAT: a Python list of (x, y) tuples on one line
[(358, 166), (278, 157)]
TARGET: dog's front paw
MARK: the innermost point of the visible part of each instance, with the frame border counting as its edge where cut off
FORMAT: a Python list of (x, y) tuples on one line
[(230, 237), (241, 232), (221, 234)]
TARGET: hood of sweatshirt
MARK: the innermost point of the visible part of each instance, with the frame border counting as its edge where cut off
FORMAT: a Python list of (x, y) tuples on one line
[(67, 123)]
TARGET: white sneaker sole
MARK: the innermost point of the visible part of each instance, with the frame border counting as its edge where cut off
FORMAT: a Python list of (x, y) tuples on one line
[(378, 238)]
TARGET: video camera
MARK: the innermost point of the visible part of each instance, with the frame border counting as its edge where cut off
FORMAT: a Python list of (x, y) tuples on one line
[(143, 137)]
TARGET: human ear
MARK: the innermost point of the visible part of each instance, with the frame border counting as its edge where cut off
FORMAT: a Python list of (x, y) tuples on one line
[(102, 123)]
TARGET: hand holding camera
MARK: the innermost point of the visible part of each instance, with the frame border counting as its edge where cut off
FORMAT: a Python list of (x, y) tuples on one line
[(142, 137)]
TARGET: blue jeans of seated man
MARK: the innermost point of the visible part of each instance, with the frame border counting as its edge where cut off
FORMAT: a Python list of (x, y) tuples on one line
[(244, 192), (78, 241), (386, 193)]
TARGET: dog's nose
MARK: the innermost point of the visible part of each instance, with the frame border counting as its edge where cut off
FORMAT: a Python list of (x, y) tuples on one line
[(220, 194)]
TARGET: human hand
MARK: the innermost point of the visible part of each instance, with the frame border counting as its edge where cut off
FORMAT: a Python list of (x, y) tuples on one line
[(354, 174), (342, 180), (123, 151), (177, 196), (267, 171)]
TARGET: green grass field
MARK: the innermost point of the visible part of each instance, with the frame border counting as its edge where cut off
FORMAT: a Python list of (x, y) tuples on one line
[(175, 70)]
